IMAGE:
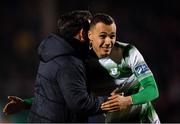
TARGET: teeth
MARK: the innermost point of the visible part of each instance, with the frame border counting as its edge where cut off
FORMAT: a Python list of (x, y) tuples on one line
[(107, 47)]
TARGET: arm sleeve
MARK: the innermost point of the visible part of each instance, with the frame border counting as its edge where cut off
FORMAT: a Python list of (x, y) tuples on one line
[(72, 82), (28, 101), (140, 69), (148, 93)]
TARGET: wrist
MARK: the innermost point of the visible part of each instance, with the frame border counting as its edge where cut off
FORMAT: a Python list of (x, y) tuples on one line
[(130, 102), (26, 104)]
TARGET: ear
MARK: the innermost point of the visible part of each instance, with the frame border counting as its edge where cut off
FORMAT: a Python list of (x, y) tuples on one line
[(81, 34), (90, 35)]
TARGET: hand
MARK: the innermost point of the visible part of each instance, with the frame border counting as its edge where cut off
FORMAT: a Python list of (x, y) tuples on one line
[(116, 102), (14, 105), (116, 91)]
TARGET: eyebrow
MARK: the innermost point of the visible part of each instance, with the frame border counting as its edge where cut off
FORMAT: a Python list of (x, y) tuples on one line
[(107, 33)]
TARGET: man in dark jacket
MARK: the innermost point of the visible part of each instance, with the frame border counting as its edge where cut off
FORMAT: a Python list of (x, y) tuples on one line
[(60, 88)]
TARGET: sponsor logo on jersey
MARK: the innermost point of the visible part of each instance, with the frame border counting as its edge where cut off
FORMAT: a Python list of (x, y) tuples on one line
[(141, 69)]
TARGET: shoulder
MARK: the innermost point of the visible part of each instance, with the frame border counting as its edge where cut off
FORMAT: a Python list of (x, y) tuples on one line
[(121, 44), (69, 61), (70, 66), (127, 48), (53, 35)]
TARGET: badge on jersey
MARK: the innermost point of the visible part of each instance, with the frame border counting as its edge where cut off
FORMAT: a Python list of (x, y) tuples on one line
[(141, 69), (114, 72)]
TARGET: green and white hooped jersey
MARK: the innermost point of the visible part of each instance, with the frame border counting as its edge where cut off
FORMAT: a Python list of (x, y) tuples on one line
[(127, 73), (131, 69)]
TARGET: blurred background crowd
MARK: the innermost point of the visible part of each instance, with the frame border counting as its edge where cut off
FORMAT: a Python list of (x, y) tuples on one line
[(153, 27)]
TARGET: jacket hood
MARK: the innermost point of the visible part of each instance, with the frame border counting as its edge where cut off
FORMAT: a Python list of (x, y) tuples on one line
[(53, 46)]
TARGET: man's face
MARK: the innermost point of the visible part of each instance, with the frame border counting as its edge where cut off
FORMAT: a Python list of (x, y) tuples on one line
[(102, 37)]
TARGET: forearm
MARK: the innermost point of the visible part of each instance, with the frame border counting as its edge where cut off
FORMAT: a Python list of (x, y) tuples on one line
[(148, 93)]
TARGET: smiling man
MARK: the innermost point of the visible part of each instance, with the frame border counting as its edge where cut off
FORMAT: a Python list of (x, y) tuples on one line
[(102, 36), (136, 87)]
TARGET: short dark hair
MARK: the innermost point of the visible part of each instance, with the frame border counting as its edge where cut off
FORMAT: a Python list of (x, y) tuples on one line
[(69, 24), (101, 17)]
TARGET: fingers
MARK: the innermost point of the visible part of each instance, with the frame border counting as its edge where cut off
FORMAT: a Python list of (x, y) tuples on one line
[(108, 102), (113, 97), (12, 105), (114, 103), (110, 108), (7, 108), (10, 98), (117, 91), (114, 91), (113, 109), (15, 98), (10, 101)]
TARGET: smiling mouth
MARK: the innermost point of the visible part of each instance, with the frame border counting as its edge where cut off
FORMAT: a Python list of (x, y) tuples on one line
[(106, 48)]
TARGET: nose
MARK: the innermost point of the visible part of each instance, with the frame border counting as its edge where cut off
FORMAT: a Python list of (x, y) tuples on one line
[(108, 41)]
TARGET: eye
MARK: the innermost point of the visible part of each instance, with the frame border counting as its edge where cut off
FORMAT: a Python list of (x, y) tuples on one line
[(102, 36), (112, 36)]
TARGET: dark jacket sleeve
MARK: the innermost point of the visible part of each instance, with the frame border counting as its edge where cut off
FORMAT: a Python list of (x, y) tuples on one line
[(72, 81)]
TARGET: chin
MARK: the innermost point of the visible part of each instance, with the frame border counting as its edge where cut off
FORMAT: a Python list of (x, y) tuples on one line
[(107, 53), (104, 55)]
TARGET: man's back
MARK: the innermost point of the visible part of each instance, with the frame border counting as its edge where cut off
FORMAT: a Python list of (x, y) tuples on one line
[(60, 89)]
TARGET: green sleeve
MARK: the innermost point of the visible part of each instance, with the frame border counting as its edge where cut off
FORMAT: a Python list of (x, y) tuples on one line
[(28, 101), (148, 93)]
